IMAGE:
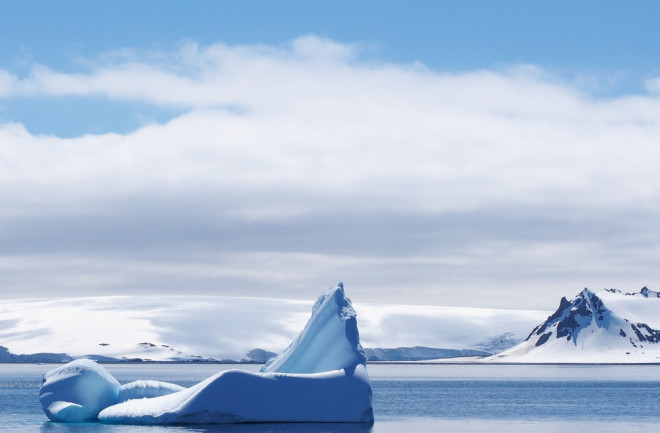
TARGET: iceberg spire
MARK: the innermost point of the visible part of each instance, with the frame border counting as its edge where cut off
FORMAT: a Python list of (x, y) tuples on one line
[(329, 341)]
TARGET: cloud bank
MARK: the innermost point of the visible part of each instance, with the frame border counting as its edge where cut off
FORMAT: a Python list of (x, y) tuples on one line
[(293, 166)]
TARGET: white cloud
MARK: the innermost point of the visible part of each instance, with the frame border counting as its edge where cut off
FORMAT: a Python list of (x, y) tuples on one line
[(313, 129), (491, 144), (502, 275)]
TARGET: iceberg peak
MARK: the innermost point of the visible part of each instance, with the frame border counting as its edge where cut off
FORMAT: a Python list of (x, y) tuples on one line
[(329, 341)]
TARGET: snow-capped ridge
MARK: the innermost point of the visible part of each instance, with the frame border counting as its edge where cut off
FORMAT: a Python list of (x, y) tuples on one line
[(645, 292), (570, 317), (610, 326)]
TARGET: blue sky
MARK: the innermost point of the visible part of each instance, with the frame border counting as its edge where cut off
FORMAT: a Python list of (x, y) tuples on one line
[(455, 153), (608, 48)]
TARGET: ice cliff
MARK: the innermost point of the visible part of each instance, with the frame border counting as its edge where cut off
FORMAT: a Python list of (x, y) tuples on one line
[(320, 377)]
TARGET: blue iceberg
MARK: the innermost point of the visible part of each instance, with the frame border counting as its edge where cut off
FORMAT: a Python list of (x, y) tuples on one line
[(320, 377)]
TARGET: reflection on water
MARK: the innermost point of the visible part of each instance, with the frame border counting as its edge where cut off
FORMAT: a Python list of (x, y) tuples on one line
[(51, 427)]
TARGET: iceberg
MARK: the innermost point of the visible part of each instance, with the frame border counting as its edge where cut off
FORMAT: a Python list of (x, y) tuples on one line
[(77, 391), (320, 377)]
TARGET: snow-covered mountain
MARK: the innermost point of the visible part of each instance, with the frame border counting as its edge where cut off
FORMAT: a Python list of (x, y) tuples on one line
[(607, 327), (214, 328)]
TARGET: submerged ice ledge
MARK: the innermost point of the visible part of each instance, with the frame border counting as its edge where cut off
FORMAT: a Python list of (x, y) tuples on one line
[(320, 377)]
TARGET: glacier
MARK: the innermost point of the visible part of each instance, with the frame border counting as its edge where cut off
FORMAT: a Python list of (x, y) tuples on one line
[(320, 377), (116, 329)]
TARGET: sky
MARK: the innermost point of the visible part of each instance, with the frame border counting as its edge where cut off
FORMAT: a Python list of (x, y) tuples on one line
[(458, 153)]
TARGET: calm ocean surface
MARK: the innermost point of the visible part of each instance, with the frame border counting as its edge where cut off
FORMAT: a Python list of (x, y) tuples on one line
[(407, 398)]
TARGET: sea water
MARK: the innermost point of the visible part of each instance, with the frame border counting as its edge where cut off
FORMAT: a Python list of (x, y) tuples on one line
[(407, 398)]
